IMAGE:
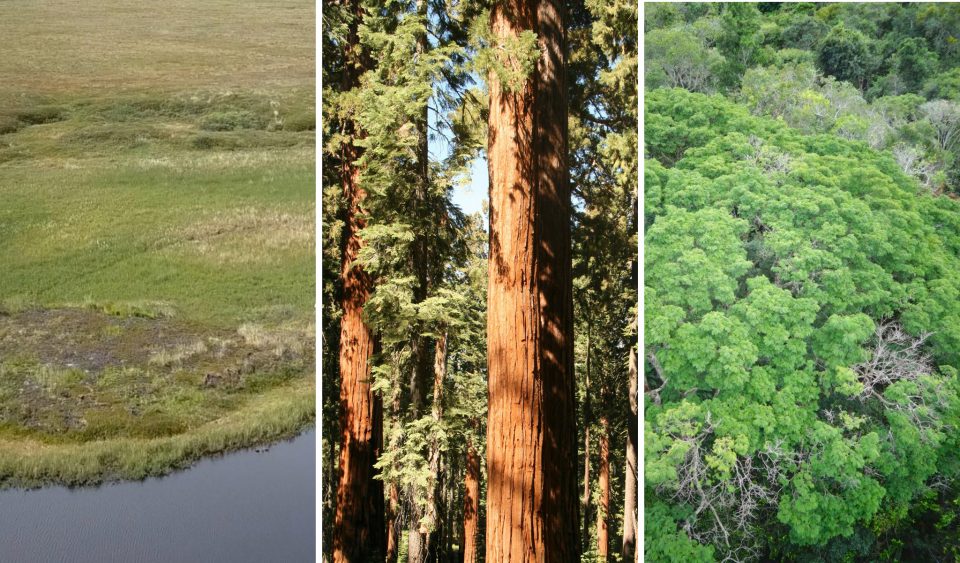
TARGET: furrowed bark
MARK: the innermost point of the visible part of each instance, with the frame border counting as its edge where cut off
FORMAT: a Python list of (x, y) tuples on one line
[(358, 520), (531, 433), (603, 540), (630, 516)]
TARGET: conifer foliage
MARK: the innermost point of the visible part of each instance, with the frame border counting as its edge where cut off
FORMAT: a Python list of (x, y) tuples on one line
[(474, 367)]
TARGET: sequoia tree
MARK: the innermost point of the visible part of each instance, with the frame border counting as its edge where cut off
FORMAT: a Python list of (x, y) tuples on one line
[(531, 455), (359, 525)]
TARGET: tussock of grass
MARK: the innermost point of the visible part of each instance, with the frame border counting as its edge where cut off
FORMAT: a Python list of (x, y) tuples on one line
[(141, 308), (177, 354), (208, 141), (16, 304), (41, 115), (246, 235), (231, 120), (112, 135), (306, 121), (10, 124), (234, 159), (52, 378), (273, 415), (280, 340)]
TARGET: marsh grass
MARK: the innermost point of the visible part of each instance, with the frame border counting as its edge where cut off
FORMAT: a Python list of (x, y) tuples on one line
[(139, 308), (279, 340), (175, 356), (156, 234), (273, 415), (53, 378)]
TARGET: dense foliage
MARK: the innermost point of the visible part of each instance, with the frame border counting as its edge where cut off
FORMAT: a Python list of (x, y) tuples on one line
[(886, 74), (421, 104), (802, 282)]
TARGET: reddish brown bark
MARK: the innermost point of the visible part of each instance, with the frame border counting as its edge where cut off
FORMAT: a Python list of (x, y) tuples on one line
[(630, 515), (603, 539), (532, 503), (359, 518), (392, 531), (471, 506)]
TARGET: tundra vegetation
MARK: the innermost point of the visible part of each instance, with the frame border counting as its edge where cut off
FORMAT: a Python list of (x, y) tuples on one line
[(477, 367), (156, 234), (802, 320)]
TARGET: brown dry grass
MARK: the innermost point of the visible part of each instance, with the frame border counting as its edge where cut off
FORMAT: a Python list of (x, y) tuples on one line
[(122, 45), (245, 235)]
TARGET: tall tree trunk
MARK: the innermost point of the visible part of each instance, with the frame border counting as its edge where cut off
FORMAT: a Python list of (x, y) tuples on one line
[(439, 372), (393, 506), (603, 541), (393, 533), (416, 551), (471, 505), (417, 547), (531, 433), (358, 521), (630, 515), (585, 500)]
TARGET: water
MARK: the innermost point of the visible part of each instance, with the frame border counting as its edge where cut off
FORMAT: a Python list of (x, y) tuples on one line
[(246, 506)]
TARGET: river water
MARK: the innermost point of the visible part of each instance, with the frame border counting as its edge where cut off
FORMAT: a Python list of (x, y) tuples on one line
[(244, 507)]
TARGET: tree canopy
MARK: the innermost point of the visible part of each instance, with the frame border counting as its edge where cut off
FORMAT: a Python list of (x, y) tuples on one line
[(801, 294)]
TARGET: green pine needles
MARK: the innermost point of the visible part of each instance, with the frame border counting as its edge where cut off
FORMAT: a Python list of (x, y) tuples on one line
[(510, 59)]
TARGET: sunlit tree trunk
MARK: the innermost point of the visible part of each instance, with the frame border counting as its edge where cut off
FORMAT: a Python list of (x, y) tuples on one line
[(393, 491), (630, 515), (585, 499), (416, 552), (603, 541), (392, 531), (471, 506), (359, 518), (532, 503)]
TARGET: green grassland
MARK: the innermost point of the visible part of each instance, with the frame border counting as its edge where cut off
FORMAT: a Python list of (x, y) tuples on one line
[(156, 234)]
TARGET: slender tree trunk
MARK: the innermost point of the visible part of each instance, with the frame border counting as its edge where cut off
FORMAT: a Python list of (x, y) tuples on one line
[(358, 521), (417, 547), (630, 516), (471, 506), (393, 506), (531, 433), (416, 551), (603, 541), (439, 372), (392, 531), (585, 500)]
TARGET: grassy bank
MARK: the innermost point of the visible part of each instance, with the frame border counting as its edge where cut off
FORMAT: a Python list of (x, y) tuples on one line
[(268, 417), (156, 235)]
